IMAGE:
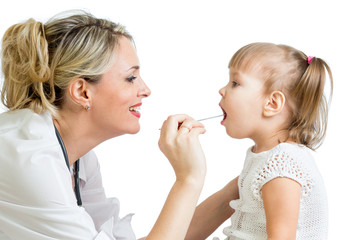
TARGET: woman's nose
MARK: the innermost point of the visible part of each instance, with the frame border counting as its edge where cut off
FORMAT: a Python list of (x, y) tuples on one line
[(144, 90)]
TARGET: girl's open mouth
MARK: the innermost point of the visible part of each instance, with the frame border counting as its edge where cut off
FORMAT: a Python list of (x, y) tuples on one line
[(222, 122)]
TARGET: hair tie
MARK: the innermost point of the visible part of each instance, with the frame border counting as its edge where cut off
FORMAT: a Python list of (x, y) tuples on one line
[(310, 58)]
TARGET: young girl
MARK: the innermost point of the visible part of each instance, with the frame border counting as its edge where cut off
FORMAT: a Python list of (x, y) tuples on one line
[(275, 97)]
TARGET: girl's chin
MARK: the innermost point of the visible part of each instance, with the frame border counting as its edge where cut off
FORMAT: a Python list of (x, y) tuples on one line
[(233, 134)]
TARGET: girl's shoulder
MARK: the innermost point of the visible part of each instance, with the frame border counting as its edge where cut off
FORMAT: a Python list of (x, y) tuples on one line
[(294, 151), (288, 160)]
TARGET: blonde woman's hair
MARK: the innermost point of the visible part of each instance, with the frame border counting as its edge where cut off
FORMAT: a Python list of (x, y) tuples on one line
[(287, 69), (39, 60)]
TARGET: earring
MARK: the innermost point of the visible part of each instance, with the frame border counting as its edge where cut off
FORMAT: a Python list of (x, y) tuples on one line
[(87, 108)]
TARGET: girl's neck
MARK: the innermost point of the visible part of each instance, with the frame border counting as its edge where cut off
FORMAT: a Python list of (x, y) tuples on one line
[(269, 141)]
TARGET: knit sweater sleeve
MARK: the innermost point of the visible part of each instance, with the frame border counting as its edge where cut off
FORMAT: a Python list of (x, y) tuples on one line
[(285, 164)]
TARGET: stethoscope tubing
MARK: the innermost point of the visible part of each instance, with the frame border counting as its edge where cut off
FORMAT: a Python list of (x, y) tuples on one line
[(76, 167)]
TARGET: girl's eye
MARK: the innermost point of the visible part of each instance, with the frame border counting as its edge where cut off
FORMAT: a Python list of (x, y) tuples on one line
[(131, 78)]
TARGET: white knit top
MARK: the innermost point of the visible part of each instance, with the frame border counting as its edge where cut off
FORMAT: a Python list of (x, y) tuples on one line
[(285, 160)]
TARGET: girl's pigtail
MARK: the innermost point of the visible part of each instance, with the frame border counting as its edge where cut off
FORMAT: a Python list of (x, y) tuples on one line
[(28, 80), (309, 121)]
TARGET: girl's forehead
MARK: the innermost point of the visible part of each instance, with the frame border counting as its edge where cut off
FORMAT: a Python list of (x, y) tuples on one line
[(254, 67), (244, 75)]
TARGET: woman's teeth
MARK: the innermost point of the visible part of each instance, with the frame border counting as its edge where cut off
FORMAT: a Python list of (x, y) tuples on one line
[(134, 109)]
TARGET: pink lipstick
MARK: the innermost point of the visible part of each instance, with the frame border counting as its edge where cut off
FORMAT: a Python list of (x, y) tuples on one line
[(134, 110)]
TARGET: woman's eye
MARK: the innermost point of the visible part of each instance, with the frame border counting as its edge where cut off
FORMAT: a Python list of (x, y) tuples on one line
[(131, 78), (234, 84)]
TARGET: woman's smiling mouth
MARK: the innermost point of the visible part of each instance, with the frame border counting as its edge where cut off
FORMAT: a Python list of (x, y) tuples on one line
[(134, 110)]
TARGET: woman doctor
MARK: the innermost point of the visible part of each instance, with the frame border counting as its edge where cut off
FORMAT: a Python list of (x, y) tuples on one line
[(69, 85)]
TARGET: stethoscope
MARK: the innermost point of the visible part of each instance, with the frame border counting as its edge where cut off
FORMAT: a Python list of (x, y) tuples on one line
[(76, 168)]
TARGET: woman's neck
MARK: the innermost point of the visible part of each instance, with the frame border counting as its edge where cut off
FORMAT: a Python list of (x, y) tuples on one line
[(75, 131)]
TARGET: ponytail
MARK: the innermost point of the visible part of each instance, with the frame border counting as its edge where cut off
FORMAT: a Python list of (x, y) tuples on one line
[(27, 76), (40, 60), (310, 113), (302, 80)]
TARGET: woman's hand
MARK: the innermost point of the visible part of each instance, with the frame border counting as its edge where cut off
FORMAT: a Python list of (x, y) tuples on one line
[(180, 144)]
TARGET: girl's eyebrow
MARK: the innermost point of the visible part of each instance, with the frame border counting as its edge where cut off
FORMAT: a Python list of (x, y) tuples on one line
[(234, 73)]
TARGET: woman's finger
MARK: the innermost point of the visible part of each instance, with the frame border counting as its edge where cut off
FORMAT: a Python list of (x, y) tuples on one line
[(188, 125), (184, 128), (196, 131), (171, 125)]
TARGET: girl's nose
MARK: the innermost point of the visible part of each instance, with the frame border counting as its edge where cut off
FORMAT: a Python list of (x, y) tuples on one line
[(222, 91)]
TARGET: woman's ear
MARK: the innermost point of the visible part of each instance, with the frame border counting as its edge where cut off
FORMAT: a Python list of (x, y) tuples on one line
[(274, 104), (79, 92)]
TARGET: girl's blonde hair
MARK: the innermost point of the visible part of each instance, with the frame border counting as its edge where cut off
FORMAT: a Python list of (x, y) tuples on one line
[(39, 60), (300, 78)]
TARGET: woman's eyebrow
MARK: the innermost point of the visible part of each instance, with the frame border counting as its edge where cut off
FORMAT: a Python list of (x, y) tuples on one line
[(134, 67)]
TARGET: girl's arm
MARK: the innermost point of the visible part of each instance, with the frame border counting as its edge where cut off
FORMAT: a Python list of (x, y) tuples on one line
[(281, 198), (182, 148), (211, 213)]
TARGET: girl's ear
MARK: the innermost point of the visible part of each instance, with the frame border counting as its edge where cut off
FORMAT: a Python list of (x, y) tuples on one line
[(79, 92), (274, 104)]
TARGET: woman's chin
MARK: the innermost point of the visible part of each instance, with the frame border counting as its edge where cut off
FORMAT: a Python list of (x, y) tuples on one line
[(134, 130)]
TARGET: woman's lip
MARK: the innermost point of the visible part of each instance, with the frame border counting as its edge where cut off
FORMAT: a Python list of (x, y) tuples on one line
[(137, 105), (136, 114)]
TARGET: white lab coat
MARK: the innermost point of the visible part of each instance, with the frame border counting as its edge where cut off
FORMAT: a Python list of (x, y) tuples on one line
[(37, 200)]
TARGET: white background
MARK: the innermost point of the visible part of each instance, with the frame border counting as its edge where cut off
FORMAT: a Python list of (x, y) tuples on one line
[(184, 48)]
